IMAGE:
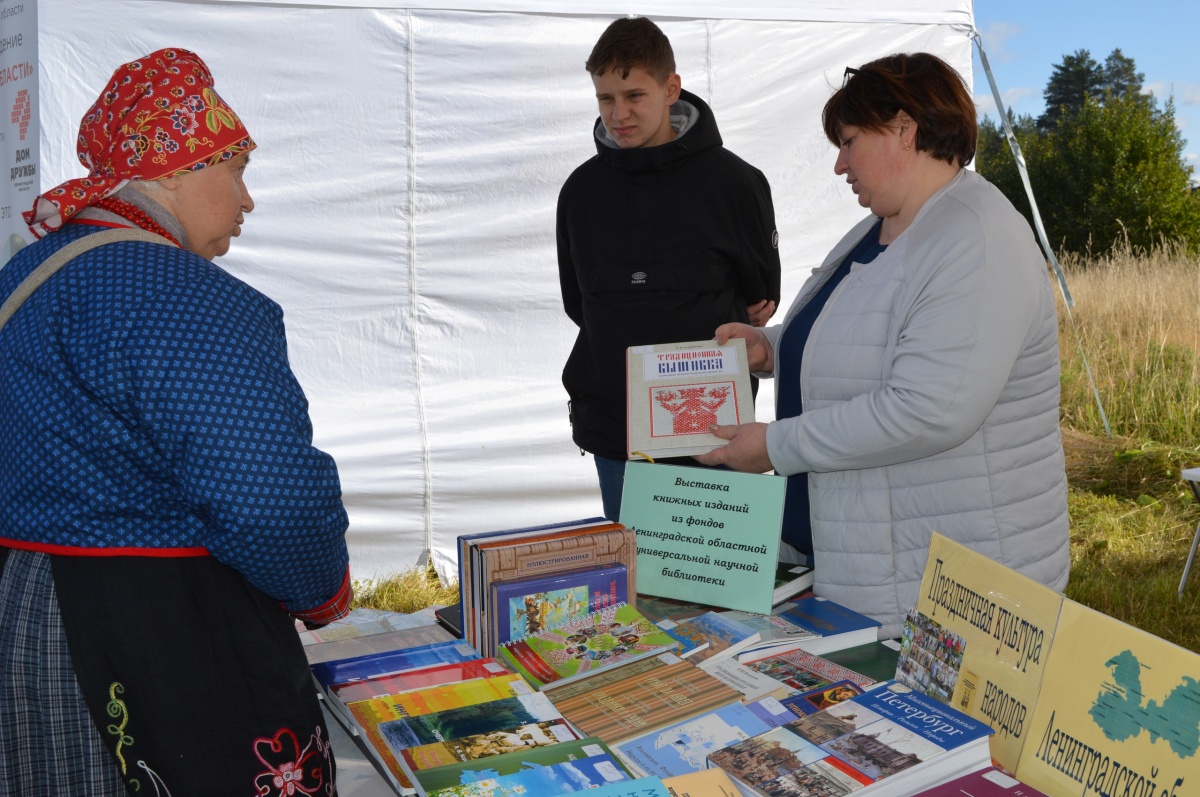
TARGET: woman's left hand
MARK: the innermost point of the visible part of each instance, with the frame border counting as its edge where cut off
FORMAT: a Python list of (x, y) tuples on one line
[(746, 451)]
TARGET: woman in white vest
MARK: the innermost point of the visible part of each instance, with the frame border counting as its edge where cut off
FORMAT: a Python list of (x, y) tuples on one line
[(917, 372)]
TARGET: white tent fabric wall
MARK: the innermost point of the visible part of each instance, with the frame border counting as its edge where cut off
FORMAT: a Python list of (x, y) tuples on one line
[(407, 170)]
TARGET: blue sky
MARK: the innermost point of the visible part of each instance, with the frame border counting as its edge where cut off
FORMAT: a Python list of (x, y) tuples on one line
[(1024, 39)]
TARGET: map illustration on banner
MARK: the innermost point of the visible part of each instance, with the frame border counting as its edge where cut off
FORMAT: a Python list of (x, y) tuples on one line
[(19, 131)]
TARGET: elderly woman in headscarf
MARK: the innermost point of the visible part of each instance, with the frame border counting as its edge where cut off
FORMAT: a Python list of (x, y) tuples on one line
[(917, 372), (163, 513)]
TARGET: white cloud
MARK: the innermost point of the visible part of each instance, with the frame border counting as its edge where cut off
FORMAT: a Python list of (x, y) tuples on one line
[(1184, 93), (995, 40)]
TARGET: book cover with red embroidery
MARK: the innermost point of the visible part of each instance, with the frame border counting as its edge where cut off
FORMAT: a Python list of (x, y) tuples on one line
[(677, 390)]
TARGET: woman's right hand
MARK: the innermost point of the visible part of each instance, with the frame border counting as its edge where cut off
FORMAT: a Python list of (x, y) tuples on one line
[(758, 348)]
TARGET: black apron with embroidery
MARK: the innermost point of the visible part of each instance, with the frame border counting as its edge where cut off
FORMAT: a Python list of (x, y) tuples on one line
[(196, 680)]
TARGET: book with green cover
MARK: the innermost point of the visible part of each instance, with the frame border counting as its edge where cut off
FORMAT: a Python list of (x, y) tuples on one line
[(584, 646)]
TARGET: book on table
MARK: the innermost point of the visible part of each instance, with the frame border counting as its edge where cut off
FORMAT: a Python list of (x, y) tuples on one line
[(790, 580), (432, 781), (705, 783), (802, 704), (802, 671), (633, 706), (990, 782), (382, 736), (774, 631), (837, 626), (370, 644), (602, 640), (682, 747), (726, 636), (876, 660), (886, 742), (500, 556), (676, 391), (750, 683), (484, 745), (595, 774), (358, 668), (525, 606)]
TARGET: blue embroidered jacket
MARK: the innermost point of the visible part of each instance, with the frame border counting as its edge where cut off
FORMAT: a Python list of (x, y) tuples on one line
[(147, 408)]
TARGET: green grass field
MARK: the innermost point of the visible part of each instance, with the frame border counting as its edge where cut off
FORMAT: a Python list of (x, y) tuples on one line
[(1137, 321)]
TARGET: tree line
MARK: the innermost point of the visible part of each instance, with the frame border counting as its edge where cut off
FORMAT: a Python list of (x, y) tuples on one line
[(1105, 160)]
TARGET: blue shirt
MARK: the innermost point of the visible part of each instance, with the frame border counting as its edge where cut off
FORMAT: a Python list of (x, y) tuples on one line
[(797, 523)]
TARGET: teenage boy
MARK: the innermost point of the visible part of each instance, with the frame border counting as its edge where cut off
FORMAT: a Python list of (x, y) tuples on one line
[(663, 236)]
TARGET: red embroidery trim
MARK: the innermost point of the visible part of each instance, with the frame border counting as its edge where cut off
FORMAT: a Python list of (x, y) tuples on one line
[(138, 217)]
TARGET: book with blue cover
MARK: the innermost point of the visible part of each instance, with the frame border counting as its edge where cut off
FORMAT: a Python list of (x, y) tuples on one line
[(682, 747), (837, 626), (886, 742), (544, 781), (360, 667), (821, 698), (528, 605)]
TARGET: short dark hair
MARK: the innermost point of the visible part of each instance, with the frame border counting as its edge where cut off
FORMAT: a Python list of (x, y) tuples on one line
[(920, 84), (632, 42)]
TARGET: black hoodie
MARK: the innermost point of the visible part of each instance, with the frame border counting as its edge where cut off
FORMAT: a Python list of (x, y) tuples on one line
[(656, 245)]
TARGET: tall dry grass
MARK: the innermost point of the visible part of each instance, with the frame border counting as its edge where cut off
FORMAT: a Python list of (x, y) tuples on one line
[(1138, 317), (1137, 320)]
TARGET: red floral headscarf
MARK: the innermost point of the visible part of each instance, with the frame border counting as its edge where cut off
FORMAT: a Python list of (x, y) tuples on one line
[(158, 117)]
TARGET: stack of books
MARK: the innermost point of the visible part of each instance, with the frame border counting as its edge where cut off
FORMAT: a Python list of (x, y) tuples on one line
[(519, 582)]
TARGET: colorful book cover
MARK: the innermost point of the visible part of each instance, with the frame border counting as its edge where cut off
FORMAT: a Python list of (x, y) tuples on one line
[(725, 635), (706, 783), (469, 563), (998, 627), (582, 775), (484, 745), (821, 698), (431, 781), (803, 671), (930, 657), (437, 698), (395, 683), (529, 605), (1118, 709), (681, 748), (608, 638), (370, 644), (676, 391), (990, 782), (636, 705), (837, 626), (689, 638), (453, 723), (889, 733), (346, 670)]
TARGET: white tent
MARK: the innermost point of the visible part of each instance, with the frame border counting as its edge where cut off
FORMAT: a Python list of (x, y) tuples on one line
[(409, 161)]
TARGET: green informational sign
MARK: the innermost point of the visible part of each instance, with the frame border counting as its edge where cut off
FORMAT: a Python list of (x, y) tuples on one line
[(707, 536)]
